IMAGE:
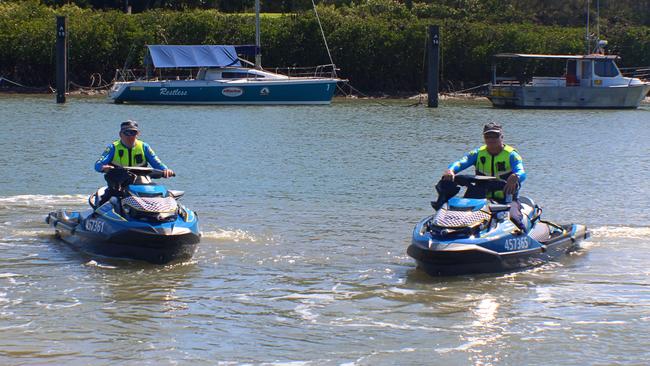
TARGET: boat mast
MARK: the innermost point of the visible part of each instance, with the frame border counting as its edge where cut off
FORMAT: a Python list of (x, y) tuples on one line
[(258, 50), (597, 20), (587, 31)]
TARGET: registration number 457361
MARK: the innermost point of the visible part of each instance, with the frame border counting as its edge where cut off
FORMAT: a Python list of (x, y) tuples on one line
[(517, 243), (95, 226)]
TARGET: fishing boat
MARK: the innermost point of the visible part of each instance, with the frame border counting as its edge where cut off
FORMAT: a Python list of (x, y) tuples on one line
[(219, 74), (592, 80), (588, 81)]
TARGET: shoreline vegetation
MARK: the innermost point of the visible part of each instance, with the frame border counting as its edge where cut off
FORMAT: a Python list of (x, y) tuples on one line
[(379, 45)]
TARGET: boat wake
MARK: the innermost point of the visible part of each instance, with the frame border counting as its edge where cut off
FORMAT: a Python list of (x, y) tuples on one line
[(41, 200), (236, 235), (621, 232)]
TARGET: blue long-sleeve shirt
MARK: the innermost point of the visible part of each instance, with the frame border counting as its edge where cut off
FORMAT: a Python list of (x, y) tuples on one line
[(470, 158), (149, 154)]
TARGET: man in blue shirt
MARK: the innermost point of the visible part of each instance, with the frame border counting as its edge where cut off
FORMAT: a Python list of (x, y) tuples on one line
[(495, 159), (128, 151)]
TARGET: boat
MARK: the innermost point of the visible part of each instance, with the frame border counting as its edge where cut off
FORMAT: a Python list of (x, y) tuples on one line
[(218, 75), (592, 80), (220, 78), (147, 223), (587, 81), (473, 234)]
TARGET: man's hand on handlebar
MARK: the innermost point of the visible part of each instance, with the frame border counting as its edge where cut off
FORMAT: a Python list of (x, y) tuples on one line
[(511, 184), (168, 173), (106, 168), (448, 175)]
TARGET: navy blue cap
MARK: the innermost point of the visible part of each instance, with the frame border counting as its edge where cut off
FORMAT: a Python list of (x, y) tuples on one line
[(129, 126), (493, 127)]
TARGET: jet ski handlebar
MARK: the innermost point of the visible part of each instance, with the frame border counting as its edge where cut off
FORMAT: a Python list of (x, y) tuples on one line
[(145, 171), (477, 187), (467, 180)]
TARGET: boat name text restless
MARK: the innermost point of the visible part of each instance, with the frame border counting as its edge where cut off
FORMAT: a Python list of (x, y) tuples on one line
[(165, 91)]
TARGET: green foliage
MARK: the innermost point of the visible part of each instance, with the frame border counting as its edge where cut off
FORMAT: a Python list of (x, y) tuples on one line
[(378, 44)]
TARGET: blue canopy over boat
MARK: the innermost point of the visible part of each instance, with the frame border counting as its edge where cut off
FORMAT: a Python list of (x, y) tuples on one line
[(167, 56)]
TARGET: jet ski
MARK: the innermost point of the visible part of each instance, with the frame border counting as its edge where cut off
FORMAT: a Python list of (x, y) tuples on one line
[(144, 222), (474, 234)]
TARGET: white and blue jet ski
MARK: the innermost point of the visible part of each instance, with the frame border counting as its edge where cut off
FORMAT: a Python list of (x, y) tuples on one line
[(477, 235), (146, 222)]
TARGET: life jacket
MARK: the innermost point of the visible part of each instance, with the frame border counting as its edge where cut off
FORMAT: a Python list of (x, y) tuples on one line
[(126, 157), (495, 166)]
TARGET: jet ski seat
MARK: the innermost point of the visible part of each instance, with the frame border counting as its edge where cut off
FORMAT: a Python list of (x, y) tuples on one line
[(462, 213)]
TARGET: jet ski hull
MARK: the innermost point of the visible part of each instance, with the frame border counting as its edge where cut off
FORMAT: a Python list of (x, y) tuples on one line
[(492, 255), (153, 243)]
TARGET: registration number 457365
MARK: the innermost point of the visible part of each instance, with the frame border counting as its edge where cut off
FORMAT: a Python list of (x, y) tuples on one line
[(517, 243)]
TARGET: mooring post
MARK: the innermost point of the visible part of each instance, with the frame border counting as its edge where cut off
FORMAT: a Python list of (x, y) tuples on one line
[(61, 58), (433, 53)]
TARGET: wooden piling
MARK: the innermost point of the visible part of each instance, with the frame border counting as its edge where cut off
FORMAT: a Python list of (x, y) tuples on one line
[(433, 53), (61, 58)]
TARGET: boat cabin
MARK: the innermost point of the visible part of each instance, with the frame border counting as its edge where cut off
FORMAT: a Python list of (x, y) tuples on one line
[(235, 73), (585, 71)]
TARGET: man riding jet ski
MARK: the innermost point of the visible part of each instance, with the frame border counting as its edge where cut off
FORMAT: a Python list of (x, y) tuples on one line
[(128, 151), (485, 231), (494, 159), (133, 217)]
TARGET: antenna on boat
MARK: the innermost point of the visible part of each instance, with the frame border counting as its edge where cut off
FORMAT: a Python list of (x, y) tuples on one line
[(598, 19), (258, 49), (599, 45), (587, 31)]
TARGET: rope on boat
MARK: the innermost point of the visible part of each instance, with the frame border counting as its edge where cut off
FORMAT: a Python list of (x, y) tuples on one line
[(329, 54), (92, 86), (13, 82), (95, 78), (29, 88), (468, 89), (352, 88)]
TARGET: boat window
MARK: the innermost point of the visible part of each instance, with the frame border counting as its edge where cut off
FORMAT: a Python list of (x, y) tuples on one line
[(586, 69), (255, 76), (234, 75), (571, 74), (571, 67), (605, 68)]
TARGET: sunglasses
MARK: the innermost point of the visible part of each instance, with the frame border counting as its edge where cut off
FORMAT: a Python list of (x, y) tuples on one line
[(130, 132), (492, 136)]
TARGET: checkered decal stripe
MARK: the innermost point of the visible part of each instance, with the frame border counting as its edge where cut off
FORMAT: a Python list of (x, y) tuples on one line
[(448, 218), (151, 204)]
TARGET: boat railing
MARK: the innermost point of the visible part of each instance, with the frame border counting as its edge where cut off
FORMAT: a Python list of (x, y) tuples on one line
[(125, 75), (508, 81), (639, 72), (320, 71)]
